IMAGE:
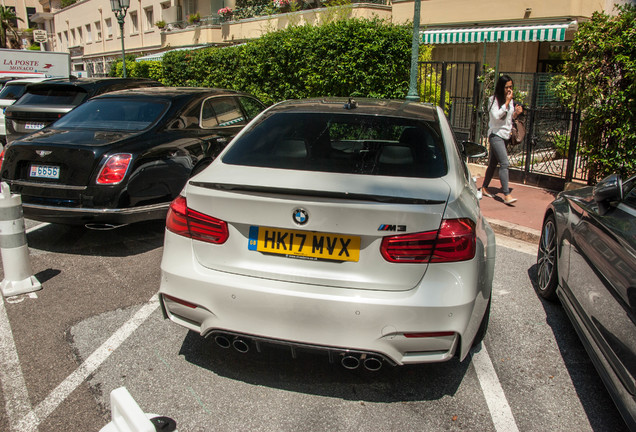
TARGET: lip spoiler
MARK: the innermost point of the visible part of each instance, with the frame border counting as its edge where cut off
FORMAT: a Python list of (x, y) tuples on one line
[(313, 193)]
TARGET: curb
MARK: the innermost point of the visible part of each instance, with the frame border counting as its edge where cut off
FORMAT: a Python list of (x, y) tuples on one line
[(518, 232)]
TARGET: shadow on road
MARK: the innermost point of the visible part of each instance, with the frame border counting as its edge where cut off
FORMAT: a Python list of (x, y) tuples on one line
[(119, 242), (311, 373)]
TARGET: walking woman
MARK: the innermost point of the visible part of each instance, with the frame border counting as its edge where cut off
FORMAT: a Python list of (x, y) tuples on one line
[(501, 113)]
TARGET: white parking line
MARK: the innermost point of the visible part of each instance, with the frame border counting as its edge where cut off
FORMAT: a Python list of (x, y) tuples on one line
[(11, 378), (37, 227), (500, 411), (31, 420)]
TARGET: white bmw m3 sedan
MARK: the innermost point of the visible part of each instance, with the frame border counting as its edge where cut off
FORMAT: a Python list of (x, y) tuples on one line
[(351, 228)]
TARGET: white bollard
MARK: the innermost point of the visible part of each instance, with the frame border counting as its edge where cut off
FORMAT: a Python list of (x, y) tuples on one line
[(128, 417), (18, 277)]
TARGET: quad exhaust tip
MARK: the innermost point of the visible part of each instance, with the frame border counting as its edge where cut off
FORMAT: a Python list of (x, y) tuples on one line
[(370, 362), (349, 360), (239, 344)]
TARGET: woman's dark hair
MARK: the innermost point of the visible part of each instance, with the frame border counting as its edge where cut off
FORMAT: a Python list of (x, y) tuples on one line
[(500, 90)]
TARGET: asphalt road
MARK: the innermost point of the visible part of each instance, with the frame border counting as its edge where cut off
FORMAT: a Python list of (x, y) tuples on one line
[(96, 326)]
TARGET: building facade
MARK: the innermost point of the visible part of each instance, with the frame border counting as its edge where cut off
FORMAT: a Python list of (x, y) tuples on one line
[(89, 29)]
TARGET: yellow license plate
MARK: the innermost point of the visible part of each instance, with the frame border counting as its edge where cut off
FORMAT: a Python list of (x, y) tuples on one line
[(304, 244)]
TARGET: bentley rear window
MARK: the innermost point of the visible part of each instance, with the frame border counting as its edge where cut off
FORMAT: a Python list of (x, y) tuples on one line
[(113, 114), (53, 95), (343, 143), (12, 91)]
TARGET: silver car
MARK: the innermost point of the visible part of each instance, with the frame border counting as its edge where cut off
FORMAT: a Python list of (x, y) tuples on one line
[(352, 228)]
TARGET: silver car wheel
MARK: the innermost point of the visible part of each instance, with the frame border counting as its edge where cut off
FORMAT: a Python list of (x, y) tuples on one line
[(547, 259)]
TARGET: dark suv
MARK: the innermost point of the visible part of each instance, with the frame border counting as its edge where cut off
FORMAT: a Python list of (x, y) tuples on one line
[(45, 102)]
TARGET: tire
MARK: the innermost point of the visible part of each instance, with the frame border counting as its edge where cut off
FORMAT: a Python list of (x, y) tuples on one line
[(547, 273), (483, 327)]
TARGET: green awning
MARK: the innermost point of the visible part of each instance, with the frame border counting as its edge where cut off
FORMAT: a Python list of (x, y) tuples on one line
[(535, 33)]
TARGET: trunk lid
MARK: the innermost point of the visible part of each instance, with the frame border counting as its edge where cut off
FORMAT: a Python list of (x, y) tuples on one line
[(63, 149), (346, 215)]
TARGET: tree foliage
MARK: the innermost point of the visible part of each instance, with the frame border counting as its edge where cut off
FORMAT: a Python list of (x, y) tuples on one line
[(353, 57), (600, 75), (7, 17)]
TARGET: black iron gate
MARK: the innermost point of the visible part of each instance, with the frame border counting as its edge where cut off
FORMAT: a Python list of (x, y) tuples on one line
[(551, 147), (454, 87)]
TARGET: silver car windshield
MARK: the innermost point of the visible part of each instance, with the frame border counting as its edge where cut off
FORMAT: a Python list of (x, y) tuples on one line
[(342, 143), (113, 114)]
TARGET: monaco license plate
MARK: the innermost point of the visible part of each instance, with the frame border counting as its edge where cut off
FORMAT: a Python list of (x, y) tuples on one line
[(304, 244), (45, 171), (34, 126)]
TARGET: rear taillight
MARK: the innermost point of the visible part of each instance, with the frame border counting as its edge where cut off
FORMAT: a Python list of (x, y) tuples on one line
[(114, 170), (409, 248), (454, 241), (192, 224), (1, 158)]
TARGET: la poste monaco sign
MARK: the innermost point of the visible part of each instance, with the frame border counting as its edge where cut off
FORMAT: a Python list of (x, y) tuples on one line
[(25, 63)]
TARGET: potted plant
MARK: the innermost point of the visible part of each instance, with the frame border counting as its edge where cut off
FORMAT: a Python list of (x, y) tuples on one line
[(160, 24), (194, 18), (282, 5), (225, 13)]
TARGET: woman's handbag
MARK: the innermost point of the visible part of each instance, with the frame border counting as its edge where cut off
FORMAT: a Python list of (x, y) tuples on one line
[(518, 132)]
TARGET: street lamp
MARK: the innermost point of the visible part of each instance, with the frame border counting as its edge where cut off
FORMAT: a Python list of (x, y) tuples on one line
[(120, 7), (413, 94)]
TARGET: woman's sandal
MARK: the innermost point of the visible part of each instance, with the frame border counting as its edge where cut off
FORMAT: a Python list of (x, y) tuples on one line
[(509, 200), (484, 192)]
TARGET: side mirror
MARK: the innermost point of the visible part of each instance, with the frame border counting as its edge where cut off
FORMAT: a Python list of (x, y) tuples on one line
[(608, 190), (473, 150)]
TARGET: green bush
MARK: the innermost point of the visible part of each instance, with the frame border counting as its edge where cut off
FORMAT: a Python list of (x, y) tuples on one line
[(600, 75), (354, 57), (561, 144)]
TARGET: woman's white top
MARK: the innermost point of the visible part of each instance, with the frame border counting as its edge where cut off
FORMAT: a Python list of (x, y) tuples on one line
[(500, 122)]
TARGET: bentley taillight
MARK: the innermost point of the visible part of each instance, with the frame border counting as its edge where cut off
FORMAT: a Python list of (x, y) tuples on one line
[(114, 169), (189, 223)]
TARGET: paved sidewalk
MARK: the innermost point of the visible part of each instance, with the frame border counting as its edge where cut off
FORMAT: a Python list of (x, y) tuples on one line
[(521, 220)]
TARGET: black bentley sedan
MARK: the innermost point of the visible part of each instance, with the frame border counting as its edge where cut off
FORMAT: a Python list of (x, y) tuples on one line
[(587, 259), (123, 156)]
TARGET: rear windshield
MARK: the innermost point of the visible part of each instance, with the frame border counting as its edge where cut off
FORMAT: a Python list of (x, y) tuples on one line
[(67, 96), (342, 143), (113, 114), (12, 91)]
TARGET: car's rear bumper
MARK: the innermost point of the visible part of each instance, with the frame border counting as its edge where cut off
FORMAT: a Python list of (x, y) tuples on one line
[(84, 216), (334, 319)]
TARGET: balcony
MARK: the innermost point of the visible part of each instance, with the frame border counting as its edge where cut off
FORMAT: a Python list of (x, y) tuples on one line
[(251, 23)]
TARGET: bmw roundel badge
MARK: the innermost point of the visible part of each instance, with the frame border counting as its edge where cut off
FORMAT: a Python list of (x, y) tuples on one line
[(300, 216)]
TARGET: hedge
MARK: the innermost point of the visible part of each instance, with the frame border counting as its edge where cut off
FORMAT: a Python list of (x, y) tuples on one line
[(353, 57)]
